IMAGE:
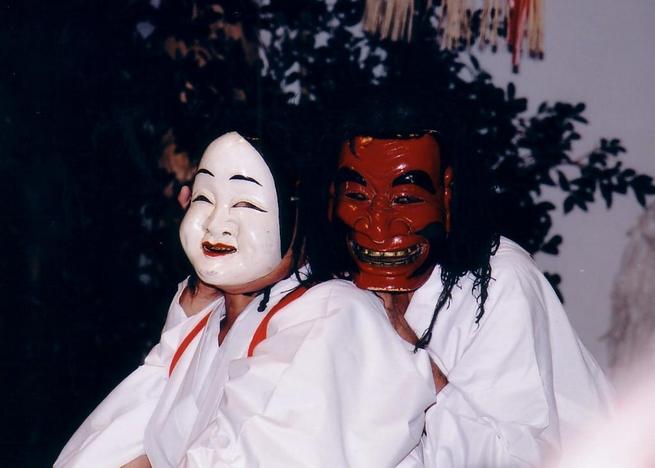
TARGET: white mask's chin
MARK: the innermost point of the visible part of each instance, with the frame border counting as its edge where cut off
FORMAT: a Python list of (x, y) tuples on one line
[(234, 272)]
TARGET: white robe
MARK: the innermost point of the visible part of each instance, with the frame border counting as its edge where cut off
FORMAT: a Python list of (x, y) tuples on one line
[(521, 383), (112, 434), (332, 386)]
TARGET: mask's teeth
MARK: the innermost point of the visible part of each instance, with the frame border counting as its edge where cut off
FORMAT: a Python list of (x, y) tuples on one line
[(216, 249), (392, 258)]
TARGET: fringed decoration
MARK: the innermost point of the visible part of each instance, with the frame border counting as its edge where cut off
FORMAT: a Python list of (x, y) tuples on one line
[(518, 15), (455, 20), (490, 22), (391, 19), (525, 19), (632, 331), (536, 30), (521, 19)]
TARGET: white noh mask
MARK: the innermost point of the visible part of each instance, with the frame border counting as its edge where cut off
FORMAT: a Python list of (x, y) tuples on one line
[(231, 231)]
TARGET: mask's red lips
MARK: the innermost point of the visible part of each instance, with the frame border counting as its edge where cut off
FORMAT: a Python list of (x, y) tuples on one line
[(217, 250)]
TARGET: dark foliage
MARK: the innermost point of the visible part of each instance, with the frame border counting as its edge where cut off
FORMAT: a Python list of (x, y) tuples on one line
[(89, 107), (314, 58)]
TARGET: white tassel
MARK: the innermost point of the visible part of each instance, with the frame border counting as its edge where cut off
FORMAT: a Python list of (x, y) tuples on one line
[(455, 20), (490, 21), (391, 19), (496, 24), (535, 29), (485, 22)]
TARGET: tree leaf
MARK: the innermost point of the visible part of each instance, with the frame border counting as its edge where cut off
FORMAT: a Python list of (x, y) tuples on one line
[(569, 203), (563, 181), (552, 246), (606, 192), (546, 206), (474, 62)]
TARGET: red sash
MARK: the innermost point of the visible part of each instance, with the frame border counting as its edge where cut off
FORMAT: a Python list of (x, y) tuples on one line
[(186, 341), (258, 337), (260, 333)]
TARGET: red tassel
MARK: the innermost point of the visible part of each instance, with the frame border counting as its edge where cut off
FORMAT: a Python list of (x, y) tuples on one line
[(518, 15)]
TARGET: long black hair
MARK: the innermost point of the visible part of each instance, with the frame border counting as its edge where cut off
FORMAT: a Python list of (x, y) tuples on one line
[(473, 237)]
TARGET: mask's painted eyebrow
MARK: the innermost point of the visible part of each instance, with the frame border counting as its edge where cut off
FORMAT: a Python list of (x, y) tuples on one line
[(201, 171), (247, 179), (345, 174), (420, 178)]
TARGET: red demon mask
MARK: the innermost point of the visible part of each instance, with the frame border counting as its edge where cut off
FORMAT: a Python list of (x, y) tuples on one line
[(390, 196)]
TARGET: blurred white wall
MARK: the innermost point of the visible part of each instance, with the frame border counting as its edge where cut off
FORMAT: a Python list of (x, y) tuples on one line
[(602, 53)]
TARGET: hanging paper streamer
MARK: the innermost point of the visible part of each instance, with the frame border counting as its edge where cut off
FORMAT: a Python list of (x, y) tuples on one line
[(517, 20)]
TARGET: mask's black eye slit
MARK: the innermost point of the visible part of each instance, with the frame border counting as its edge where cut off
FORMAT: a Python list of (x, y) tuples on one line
[(245, 204), (356, 196), (406, 200), (201, 198)]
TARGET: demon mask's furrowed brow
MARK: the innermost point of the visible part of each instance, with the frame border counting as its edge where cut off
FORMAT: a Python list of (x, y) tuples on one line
[(345, 174), (419, 178)]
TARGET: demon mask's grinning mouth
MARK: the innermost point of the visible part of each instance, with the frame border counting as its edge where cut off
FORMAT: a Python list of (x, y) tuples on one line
[(388, 258), (218, 249)]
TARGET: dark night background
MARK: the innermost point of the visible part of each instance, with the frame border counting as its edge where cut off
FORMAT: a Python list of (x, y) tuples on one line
[(104, 107)]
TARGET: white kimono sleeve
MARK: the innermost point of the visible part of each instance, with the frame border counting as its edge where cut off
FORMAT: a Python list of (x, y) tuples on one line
[(498, 409), (332, 386), (113, 433)]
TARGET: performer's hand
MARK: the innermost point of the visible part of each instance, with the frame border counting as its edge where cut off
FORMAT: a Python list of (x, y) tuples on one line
[(184, 197), (440, 380), (407, 333), (396, 305), (139, 462)]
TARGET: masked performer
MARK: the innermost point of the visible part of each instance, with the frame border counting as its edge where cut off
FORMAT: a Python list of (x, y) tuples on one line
[(514, 382), (284, 371)]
